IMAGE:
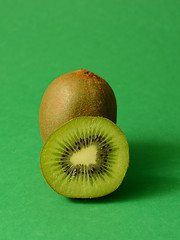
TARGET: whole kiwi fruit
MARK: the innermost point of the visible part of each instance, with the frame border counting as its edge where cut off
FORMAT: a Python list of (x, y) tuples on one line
[(75, 94)]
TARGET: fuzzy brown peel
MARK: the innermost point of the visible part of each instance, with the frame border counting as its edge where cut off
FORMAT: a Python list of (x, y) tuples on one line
[(75, 94)]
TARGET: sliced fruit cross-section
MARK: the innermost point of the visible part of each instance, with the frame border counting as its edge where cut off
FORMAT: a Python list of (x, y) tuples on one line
[(85, 158)]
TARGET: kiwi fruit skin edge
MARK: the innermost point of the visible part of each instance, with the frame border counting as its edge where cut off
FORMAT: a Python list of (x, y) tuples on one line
[(120, 159), (75, 94)]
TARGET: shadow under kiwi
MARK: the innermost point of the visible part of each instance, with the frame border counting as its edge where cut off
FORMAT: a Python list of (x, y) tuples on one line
[(149, 173)]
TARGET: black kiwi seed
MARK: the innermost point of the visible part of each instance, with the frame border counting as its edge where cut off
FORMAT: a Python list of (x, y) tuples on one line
[(99, 171), (99, 138)]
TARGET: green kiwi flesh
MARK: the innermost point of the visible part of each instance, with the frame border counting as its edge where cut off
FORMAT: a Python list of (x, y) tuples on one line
[(85, 158)]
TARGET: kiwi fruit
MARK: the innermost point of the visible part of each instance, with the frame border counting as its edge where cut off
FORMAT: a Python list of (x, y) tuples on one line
[(85, 158), (75, 94)]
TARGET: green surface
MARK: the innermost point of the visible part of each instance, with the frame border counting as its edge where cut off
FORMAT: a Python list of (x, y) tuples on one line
[(135, 46)]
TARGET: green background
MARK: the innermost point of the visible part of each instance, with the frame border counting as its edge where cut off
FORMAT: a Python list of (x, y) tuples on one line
[(135, 47)]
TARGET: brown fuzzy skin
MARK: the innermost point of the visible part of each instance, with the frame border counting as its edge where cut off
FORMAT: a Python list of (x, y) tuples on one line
[(75, 94)]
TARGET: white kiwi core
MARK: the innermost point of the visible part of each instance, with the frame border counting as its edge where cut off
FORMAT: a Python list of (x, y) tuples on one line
[(85, 156)]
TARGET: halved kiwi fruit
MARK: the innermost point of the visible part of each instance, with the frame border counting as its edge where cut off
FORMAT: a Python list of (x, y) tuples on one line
[(85, 158)]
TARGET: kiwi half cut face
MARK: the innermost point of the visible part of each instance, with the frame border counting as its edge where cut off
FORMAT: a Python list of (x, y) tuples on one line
[(85, 158)]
